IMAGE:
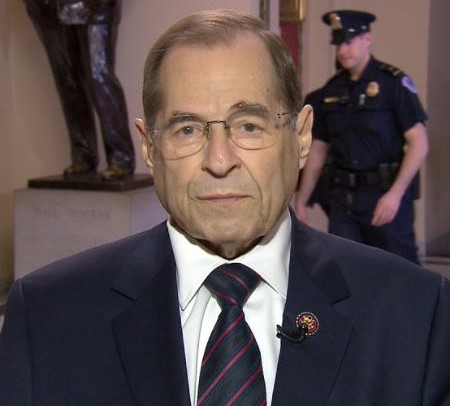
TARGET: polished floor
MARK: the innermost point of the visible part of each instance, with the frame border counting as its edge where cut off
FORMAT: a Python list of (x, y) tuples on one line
[(437, 264)]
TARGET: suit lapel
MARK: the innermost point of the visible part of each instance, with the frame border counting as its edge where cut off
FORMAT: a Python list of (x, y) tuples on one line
[(150, 341), (306, 371), (148, 334)]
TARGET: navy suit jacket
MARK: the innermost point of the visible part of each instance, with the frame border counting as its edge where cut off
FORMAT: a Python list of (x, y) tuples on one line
[(103, 328)]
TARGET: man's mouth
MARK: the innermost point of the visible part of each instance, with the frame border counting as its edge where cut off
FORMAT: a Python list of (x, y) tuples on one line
[(223, 197)]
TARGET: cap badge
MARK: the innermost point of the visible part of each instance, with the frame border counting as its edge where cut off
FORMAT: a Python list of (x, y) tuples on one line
[(310, 321), (373, 88), (336, 23)]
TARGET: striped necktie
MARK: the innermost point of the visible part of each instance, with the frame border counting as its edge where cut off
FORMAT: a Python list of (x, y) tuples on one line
[(231, 372)]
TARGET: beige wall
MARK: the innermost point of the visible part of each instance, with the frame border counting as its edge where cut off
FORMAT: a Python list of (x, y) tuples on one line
[(34, 137), (7, 146), (438, 164), (401, 37)]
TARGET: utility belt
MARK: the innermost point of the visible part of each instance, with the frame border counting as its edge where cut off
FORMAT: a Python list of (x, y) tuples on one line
[(382, 177)]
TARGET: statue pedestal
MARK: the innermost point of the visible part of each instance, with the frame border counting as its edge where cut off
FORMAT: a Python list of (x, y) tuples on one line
[(54, 223)]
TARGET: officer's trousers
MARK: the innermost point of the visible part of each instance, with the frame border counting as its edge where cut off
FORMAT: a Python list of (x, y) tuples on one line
[(350, 217)]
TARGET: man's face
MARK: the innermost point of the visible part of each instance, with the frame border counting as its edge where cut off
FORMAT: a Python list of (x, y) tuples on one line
[(354, 54), (223, 196)]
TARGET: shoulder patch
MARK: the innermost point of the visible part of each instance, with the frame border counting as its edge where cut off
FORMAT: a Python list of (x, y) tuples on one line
[(409, 84), (391, 69)]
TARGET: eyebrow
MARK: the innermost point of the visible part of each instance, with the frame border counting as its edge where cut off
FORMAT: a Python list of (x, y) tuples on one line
[(241, 107), (180, 117), (256, 109)]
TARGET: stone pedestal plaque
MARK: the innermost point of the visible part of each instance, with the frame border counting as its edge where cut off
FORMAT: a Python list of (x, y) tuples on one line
[(51, 223)]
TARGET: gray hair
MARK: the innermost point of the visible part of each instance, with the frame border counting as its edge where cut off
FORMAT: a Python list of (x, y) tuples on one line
[(209, 29)]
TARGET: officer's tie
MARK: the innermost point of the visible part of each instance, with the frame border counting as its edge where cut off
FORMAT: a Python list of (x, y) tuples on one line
[(231, 372)]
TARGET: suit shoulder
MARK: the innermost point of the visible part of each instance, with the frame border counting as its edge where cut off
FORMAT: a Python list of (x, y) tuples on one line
[(102, 262), (360, 262), (363, 263)]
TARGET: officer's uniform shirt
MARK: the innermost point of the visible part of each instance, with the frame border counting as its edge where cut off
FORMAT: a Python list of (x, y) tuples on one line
[(314, 99), (320, 194), (364, 120)]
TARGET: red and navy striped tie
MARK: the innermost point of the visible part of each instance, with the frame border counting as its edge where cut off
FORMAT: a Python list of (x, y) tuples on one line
[(231, 372)]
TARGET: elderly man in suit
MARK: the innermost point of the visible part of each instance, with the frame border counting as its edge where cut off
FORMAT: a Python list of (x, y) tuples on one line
[(79, 37), (231, 301)]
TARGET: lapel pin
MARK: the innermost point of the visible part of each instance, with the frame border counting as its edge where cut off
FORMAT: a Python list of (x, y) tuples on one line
[(309, 321), (307, 324)]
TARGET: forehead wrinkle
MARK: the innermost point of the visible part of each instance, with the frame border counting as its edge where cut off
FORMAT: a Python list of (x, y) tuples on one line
[(219, 106)]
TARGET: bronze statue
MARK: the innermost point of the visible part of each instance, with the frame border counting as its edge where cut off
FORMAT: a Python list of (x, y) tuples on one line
[(79, 37)]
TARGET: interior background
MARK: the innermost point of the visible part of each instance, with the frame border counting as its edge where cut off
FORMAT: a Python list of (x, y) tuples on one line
[(34, 139)]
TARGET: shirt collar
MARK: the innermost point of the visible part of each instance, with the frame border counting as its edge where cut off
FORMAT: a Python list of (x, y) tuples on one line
[(270, 259)]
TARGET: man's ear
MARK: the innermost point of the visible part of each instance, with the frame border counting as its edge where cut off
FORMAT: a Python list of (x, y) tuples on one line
[(304, 132), (146, 143)]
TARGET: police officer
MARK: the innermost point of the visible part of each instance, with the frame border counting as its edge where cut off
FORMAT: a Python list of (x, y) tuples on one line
[(373, 129), (79, 37)]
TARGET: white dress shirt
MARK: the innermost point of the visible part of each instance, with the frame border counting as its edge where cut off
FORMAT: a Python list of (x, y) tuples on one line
[(263, 310)]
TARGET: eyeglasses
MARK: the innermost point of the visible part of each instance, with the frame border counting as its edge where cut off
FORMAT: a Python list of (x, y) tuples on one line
[(186, 134)]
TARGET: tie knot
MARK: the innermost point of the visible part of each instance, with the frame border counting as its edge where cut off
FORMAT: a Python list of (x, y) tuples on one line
[(232, 284)]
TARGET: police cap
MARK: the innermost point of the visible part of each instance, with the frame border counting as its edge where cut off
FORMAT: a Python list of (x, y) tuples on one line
[(347, 24)]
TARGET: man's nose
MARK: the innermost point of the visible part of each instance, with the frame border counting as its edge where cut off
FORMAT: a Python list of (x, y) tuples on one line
[(220, 151), (341, 47)]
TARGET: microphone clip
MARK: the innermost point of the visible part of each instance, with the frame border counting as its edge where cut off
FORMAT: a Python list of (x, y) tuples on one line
[(307, 324), (295, 336)]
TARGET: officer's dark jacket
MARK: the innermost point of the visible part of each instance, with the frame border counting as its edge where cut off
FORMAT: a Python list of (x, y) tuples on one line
[(364, 120)]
